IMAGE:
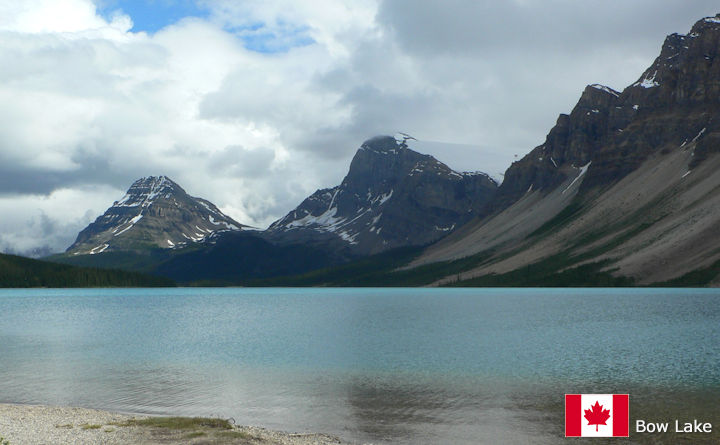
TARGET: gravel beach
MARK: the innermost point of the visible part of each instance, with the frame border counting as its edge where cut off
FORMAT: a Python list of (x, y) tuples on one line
[(49, 425)]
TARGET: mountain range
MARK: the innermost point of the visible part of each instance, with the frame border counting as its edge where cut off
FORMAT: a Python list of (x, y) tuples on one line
[(625, 190)]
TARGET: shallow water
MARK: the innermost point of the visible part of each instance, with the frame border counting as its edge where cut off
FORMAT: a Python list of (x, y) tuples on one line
[(401, 366)]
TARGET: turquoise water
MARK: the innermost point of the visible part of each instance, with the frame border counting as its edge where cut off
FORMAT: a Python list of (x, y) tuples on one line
[(371, 365)]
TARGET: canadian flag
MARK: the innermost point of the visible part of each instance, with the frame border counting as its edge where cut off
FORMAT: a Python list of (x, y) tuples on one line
[(597, 415)]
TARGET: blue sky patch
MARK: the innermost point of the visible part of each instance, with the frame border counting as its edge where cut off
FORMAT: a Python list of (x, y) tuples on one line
[(263, 39), (152, 15)]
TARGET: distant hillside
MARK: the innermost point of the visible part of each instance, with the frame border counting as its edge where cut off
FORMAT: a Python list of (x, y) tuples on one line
[(16, 271)]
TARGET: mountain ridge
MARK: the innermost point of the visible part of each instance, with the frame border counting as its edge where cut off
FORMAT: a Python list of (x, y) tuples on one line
[(391, 197), (628, 158)]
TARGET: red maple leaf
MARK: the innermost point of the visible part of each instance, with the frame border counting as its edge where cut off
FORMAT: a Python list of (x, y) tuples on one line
[(597, 415)]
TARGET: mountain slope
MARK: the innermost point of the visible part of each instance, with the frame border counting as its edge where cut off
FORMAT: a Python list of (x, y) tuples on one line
[(391, 197), (155, 213), (627, 181)]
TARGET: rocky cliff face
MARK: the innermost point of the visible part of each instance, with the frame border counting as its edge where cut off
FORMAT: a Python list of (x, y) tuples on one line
[(674, 102), (392, 196), (154, 213)]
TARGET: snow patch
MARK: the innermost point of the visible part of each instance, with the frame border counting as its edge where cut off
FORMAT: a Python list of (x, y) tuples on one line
[(605, 89), (382, 152), (132, 223), (332, 201), (206, 206), (648, 82), (101, 247), (124, 202), (326, 219), (445, 229), (699, 134), (711, 19), (347, 237), (385, 197), (221, 223), (583, 169)]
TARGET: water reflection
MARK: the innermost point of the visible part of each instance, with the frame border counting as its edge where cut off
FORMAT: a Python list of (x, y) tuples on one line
[(444, 409)]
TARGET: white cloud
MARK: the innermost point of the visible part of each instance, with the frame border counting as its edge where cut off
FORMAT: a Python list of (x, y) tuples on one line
[(50, 223), (86, 105)]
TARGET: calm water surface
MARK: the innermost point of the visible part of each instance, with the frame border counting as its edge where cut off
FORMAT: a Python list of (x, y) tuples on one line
[(371, 365)]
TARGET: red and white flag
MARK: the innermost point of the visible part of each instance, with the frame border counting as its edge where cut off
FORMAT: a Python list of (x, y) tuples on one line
[(597, 415)]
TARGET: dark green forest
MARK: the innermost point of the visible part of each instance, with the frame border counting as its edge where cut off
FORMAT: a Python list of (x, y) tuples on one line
[(16, 271)]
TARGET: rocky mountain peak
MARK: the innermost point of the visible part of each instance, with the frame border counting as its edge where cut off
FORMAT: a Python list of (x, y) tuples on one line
[(392, 196), (154, 213), (144, 191), (382, 161)]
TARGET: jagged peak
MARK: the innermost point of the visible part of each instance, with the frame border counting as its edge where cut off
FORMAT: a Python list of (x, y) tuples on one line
[(157, 181), (145, 190)]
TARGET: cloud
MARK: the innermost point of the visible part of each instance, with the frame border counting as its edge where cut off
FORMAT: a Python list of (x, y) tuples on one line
[(42, 224), (255, 104)]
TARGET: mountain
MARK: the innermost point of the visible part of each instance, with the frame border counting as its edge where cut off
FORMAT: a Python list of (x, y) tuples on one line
[(391, 197), (154, 213), (627, 185), (18, 271)]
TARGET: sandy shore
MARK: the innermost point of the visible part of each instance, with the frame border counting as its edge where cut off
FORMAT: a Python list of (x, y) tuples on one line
[(49, 425)]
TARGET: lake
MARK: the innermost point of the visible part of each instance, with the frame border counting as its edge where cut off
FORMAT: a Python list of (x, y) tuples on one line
[(406, 366)]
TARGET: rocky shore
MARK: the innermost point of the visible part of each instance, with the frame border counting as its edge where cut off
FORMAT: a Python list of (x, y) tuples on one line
[(49, 425)]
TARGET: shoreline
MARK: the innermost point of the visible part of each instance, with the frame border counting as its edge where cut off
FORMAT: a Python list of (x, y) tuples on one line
[(59, 425)]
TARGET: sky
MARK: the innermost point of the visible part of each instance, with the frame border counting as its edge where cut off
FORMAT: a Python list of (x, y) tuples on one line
[(255, 104)]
